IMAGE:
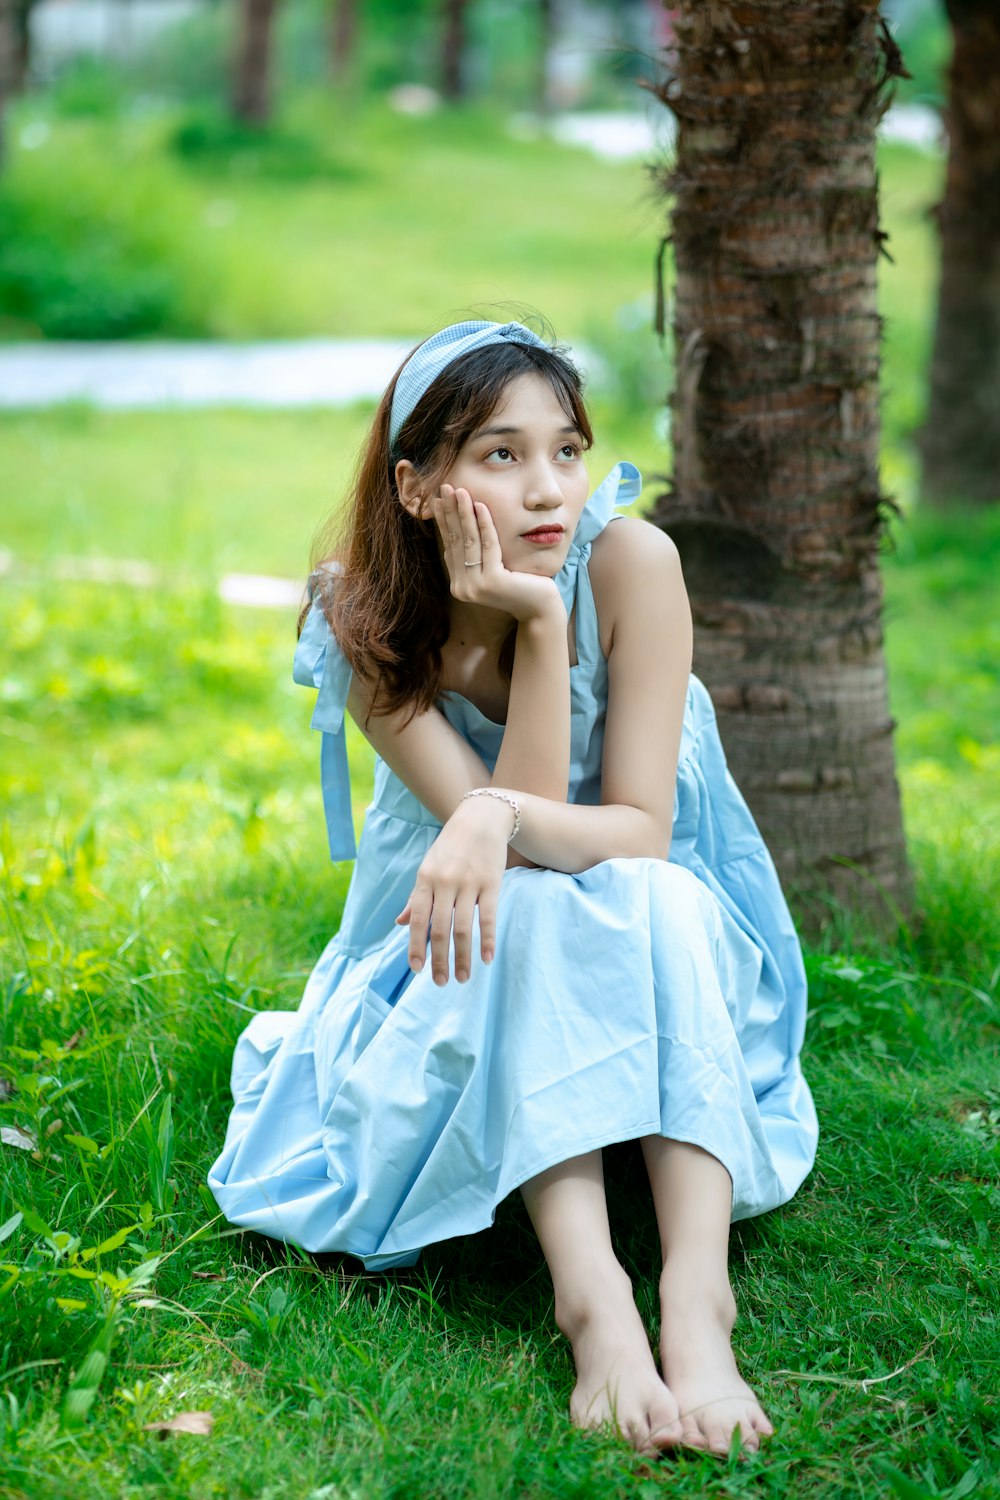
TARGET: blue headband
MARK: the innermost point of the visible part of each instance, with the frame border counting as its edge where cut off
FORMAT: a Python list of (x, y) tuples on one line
[(427, 361)]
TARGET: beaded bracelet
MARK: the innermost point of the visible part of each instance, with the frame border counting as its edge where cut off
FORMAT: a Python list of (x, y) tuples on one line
[(489, 791)]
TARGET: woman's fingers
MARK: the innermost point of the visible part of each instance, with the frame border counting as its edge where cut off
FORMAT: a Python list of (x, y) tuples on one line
[(419, 909), (441, 918), (443, 510), (489, 541), (488, 923), (472, 544), (458, 525), (465, 907)]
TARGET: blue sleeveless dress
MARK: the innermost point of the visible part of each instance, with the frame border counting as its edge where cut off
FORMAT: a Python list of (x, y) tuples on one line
[(640, 997)]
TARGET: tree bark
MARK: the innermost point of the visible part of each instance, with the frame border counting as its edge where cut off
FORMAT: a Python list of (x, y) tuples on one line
[(775, 504), (453, 42), (343, 39), (960, 442), (22, 44), (252, 66), (546, 36), (8, 65)]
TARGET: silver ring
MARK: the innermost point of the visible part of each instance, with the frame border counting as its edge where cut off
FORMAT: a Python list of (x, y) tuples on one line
[(477, 564)]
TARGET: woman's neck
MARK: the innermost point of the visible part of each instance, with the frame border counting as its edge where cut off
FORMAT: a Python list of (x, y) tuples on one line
[(474, 625)]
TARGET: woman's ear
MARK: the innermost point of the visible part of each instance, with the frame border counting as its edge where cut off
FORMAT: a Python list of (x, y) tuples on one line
[(410, 490)]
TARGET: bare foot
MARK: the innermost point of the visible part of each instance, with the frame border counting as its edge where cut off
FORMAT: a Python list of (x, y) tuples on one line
[(700, 1368), (617, 1382)]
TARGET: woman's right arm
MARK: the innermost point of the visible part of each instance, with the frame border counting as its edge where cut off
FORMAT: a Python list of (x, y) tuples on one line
[(465, 865)]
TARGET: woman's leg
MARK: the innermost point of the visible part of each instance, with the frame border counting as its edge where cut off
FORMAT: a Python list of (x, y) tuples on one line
[(692, 1193), (617, 1380)]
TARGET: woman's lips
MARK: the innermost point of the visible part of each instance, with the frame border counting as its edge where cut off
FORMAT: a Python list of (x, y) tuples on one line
[(546, 536)]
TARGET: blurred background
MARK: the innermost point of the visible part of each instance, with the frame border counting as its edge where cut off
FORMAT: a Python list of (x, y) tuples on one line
[(222, 222)]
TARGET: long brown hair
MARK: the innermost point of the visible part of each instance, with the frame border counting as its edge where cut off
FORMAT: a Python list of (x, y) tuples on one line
[(386, 595)]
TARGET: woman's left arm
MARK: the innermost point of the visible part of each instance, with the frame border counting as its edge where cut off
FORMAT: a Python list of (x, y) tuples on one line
[(642, 604)]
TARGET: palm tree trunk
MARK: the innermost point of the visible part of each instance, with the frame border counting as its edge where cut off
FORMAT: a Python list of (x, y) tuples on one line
[(22, 44), (775, 503), (960, 442), (343, 39), (252, 66), (546, 36), (453, 49), (8, 65)]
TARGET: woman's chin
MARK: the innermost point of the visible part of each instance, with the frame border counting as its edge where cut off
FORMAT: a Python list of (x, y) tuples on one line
[(547, 565)]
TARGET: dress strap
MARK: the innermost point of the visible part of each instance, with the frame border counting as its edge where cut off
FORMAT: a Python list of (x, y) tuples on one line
[(620, 487), (320, 663)]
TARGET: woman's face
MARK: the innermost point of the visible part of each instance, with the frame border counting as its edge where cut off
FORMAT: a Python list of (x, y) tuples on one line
[(526, 465)]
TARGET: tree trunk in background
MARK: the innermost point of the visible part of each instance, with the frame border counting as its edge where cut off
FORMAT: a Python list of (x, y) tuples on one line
[(22, 44), (546, 36), (960, 442), (252, 66), (343, 39), (775, 505), (8, 65), (453, 49)]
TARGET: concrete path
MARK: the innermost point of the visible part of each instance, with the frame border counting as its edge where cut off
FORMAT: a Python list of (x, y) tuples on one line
[(164, 375), (301, 372), (261, 590)]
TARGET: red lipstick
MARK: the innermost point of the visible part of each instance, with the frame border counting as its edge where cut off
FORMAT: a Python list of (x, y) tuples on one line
[(545, 536)]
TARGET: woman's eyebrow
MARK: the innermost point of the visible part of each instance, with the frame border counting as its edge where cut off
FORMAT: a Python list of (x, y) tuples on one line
[(516, 431)]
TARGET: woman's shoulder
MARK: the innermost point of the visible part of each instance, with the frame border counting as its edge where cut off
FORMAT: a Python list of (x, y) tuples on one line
[(628, 545), (633, 564)]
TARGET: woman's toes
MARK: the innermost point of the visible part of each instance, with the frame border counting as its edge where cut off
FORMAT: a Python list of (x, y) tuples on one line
[(691, 1434), (666, 1435)]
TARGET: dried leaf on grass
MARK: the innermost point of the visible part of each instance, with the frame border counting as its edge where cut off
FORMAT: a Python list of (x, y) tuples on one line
[(209, 1275), (198, 1422), (14, 1135)]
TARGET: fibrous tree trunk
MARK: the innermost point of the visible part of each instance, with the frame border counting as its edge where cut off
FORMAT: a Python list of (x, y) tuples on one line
[(546, 35), (961, 437), (343, 38), (453, 41), (8, 64), (252, 63), (775, 504), (22, 45)]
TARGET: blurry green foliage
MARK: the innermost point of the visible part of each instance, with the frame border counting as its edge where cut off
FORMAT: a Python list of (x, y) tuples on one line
[(92, 285), (923, 33), (210, 139), (93, 244), (89, 88)]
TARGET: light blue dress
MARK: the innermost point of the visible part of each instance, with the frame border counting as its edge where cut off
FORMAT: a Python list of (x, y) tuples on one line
[(640, 997)]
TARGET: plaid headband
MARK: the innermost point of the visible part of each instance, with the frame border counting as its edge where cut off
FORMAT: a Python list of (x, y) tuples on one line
[(426, 363)]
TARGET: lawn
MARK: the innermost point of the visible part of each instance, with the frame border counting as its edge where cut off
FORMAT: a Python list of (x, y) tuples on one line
[(382, 224), (164, 876)]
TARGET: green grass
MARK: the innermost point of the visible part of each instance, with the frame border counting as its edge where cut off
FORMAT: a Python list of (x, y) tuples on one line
[(203, 492), (353, 224), (164, 875)]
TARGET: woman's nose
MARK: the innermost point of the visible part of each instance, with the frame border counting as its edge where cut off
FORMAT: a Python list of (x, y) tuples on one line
[(542, 491)]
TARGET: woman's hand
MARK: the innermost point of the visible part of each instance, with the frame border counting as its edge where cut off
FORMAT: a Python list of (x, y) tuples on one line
[(462, 870), (475, 565)]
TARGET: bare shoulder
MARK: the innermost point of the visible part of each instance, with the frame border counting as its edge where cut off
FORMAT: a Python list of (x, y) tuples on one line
[(628, 547), (633, 566)]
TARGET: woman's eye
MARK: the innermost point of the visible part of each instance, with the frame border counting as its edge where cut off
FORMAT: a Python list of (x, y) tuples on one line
[(569, 450), (501, 453)]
